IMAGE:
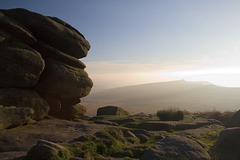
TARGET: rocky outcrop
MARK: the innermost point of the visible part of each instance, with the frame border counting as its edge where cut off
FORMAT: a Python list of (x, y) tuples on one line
[(111, 110), (12, 30), (176, 147), (54, 130), (47, 150), (234, 121), (12, 117), (24, 98), (20, 65), (39, 64), (228, 143), (173, 125), (229, 139), (52, 31)]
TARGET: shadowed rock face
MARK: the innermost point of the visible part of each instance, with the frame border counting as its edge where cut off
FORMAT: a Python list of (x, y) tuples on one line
[(51, 32), (20, 65), (39, 56), (10, 29), (234, 120), (47, 150), (12, 117), (228, 143), (24, 98)]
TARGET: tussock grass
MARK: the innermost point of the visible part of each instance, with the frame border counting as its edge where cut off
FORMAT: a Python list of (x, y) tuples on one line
[(170, 115)]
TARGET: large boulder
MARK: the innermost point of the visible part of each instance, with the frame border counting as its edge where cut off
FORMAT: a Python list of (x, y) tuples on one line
[(52, 31), (229, 139), (228, 144), (176, 147), (12, 116), (111, 110), (11, 30), (49, 52), (20, 65), (45, 150), (234, 121), (63, 86), (24, 98), (64, 81)]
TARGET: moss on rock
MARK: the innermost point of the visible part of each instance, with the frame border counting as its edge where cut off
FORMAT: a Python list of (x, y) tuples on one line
[(24, 98)]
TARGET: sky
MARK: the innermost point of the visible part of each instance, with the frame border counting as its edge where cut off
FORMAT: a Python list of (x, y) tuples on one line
[(147, 41)]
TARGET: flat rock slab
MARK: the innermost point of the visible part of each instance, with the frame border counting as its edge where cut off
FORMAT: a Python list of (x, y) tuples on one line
[(176, 147), (54, 130), (12, 155), (198, 131), (175, 125)]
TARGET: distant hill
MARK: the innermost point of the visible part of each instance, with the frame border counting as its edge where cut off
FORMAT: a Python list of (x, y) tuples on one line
[(148, 98)]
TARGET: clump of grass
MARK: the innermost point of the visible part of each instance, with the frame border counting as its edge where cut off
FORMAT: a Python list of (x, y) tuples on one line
[(170, 115)]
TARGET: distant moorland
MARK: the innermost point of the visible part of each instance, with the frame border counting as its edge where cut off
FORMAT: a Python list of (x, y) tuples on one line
[(149, 98)]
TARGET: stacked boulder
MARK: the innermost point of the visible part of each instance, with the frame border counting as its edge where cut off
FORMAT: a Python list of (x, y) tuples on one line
[(39, 64)]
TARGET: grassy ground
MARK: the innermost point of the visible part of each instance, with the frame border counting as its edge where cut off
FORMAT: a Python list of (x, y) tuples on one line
[(109, 142), (113, 142)]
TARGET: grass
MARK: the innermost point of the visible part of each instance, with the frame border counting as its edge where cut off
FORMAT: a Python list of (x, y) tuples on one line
[(210, 138), (107, 142), (111, 141), (170, 115)]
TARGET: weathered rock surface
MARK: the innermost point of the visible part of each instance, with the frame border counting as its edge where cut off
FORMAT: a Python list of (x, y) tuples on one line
[(234, 120), (20, 65), (175, 125), (12, 117), (76, 111), (198, 132), (11, 30), (49, 52), (176, 147), (53, 32), (47, 150), (13, 155), (41, 53), (65, 84), (122, 120), (105, 122), (64, 81), (229, 139), (24, 98), (111, 110), (228, 144), (55, 130)]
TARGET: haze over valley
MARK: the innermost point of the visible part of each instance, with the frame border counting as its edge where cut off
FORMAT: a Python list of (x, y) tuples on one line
[(149, 98)]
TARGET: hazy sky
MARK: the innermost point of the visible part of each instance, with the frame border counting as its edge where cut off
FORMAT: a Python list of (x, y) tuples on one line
[(144, 41)]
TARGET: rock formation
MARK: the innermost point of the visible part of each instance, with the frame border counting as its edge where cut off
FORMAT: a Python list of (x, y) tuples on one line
[(39, 66), (111, 110), (176, 147), (234, 121), (47, 150)]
